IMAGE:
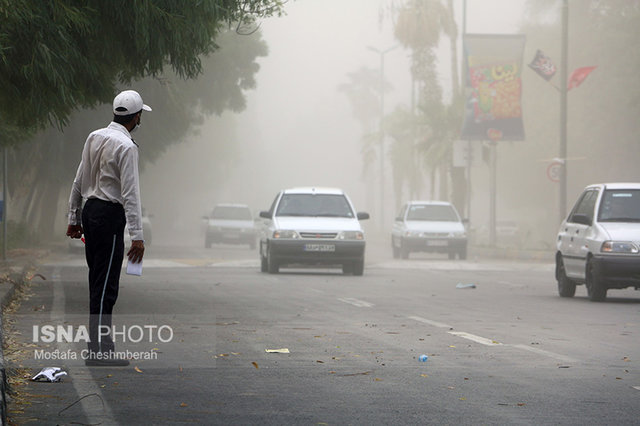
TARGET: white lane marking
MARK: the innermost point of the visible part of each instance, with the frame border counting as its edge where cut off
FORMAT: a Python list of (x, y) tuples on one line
[(474, 338), (356, 302), (427, 321), (96, 411), (545, 353), (489, 342)]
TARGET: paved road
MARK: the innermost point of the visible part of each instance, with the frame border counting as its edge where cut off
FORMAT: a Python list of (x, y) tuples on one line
[(509, 351)]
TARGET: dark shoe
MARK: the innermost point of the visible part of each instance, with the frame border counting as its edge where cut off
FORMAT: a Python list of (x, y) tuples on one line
[(108, 362)]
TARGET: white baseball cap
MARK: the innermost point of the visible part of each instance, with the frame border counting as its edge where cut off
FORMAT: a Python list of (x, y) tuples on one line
[(128, 102)]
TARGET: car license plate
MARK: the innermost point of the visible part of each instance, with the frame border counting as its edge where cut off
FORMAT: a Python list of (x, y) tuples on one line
[(437, 243), (319, 247)]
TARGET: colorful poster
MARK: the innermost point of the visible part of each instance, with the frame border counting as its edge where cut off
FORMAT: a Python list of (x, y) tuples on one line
[(493, 109)]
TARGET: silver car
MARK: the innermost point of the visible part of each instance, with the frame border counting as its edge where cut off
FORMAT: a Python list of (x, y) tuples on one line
[(599, 242), (429, 226), (230, 224)]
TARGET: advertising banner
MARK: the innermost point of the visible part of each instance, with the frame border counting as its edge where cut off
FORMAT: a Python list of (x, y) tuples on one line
[(493, 108)]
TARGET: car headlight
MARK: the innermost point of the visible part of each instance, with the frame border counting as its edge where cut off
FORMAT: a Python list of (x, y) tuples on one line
[(351, 235), (619, 247), (285, 234), (459, 234), (412, 234)]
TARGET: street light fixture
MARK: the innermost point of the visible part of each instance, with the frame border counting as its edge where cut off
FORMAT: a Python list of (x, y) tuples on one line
[(382, 53)]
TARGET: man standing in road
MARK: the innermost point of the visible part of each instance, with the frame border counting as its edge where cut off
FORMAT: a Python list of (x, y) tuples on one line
[(108, 180)]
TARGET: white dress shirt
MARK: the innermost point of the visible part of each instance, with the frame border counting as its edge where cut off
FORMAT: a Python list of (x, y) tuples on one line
[(109, 171)]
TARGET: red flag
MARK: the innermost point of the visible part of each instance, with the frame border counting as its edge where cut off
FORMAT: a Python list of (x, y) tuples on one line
[(578, 76)]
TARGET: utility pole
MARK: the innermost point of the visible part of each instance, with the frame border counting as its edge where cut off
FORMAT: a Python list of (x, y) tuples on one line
[(381, 130), (563, 109)]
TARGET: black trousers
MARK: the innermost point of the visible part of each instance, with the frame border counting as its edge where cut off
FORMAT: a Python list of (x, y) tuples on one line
[(103, 223)]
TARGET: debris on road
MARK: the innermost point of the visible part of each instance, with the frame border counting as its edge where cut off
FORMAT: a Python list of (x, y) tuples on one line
[(51, 374), (255, 364), (277, 351), (423, 358), (463, 286)]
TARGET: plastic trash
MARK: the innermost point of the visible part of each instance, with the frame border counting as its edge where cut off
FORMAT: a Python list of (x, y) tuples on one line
[(423, 358), (461, 285), (51, 374)]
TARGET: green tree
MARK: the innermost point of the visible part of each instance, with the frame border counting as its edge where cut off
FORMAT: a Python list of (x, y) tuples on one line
[(418, 26), (179, 107), (57, 56)]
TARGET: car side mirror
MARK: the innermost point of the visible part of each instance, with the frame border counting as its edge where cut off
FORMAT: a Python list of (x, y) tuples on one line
[(581, 219), (465, 221), (265, 215), (399, 219), (362, 215)]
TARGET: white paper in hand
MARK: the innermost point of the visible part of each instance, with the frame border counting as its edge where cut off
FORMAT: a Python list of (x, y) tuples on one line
[(134, 268)]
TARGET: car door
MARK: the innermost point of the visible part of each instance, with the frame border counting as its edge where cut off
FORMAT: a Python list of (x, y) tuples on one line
[(398, 227), (575, 233)]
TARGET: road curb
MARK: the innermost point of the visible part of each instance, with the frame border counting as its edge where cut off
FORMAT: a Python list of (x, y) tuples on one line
[(16, 279)]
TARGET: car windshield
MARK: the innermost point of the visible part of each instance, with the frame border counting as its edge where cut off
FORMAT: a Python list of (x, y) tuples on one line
[(619, 205), (231, 213), (315, 205), (433, 212)]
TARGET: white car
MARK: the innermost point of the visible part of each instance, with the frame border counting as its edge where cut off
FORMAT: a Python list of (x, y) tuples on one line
[(312, 226), (599, 242), (429, 226), (231, 224)]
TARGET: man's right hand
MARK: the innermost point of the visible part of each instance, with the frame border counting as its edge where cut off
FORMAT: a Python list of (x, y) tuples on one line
[(74, 231), (136, 252)]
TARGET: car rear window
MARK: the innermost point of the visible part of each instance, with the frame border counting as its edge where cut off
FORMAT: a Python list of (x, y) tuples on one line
[(314, 205), (231, 213), (437, 213), (620, 206)]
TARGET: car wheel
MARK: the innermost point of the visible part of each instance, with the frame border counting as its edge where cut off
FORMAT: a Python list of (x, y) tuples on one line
[(358, 267), (566, 287), (462, 254), (404, 251), (395, 250), (264, 266), (595, 287), (347, 268), (272, 265)]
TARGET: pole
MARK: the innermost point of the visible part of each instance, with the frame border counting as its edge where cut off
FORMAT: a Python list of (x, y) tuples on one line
[(4, 202), (464, 71), (493, 194), (382, 141), (563, 110), (381, 131)]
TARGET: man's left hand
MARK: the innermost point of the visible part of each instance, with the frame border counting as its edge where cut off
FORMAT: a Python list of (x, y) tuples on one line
[(136, 252)]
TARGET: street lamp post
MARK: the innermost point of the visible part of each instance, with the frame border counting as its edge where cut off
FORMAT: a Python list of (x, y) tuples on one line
[(381, 131), (563, 109)]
